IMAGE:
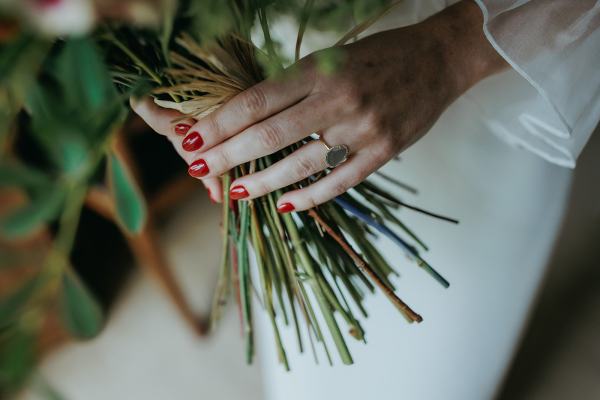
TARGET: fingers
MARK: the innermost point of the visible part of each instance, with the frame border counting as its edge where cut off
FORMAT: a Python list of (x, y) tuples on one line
[(264, 138), (249, 107), (339, 181), (304, 162), (160, 119)]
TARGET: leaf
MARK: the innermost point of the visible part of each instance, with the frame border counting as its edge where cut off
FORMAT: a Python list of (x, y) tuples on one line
[(11, 305), (74, 107), (43, 208), (81, 313), (20, 61), (17, 360), (129, 203), (21, 175), (169, 10), (83, 75)]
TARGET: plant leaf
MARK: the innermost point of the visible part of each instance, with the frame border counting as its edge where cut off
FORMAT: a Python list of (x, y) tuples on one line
[(11, 305), (81, 313), (40, 210), (129, 202), (17, 360), (21, 175)]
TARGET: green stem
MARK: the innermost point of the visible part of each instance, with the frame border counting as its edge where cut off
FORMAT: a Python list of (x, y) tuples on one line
[(135, 59), (304, 258)]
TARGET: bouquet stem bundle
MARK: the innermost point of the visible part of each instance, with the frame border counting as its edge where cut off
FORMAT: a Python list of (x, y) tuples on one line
[(309, 270)]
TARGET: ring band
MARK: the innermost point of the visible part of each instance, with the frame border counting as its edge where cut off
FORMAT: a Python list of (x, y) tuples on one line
[(336, 155)]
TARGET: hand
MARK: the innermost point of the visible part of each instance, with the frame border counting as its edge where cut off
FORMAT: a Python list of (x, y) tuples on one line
[(388, 92)]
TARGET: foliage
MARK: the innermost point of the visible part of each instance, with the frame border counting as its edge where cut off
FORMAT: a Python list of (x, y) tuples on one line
[(67, 95)]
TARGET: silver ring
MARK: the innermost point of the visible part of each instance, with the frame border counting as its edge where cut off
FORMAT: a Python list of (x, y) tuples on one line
[(336, 155)]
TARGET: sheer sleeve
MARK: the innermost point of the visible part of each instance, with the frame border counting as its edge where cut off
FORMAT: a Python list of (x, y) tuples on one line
[(555, 45)]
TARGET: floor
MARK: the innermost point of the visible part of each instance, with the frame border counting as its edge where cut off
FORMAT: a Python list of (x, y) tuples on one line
[(147, 352)]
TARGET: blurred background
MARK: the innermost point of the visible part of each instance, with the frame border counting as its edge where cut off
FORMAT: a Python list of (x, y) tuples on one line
[(156, 290)]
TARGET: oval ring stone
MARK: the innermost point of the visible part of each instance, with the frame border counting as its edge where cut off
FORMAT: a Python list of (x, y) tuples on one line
[(337, 155)]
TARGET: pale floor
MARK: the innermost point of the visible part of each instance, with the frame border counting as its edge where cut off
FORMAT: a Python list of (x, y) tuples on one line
[(147, 352)]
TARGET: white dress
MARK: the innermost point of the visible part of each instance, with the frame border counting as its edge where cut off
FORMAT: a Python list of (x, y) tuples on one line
[(510, 203)]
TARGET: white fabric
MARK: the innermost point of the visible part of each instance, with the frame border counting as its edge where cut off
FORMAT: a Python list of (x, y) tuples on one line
[(510, 204), (555, 45)]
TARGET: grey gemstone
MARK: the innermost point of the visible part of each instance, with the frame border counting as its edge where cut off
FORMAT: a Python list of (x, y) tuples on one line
[(337, 155)]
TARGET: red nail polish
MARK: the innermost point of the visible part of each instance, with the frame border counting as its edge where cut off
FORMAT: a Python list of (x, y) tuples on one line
[(198, 169), (48, 3), (238, 192), (182, 129), (286, 208), (192, 142)]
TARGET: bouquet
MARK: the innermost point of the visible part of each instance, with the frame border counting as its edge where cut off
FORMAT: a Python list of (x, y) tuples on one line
[(309, 270)]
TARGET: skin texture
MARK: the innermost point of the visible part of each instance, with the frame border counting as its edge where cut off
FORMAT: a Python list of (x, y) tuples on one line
[(388, 92)]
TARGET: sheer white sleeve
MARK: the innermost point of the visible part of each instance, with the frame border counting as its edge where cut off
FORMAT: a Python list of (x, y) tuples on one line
[(555, 46)]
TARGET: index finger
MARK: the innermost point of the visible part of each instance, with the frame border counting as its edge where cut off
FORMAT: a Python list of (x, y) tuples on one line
[(252, 106)]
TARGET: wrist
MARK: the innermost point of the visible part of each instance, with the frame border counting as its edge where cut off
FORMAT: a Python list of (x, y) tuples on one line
[(467, 54)]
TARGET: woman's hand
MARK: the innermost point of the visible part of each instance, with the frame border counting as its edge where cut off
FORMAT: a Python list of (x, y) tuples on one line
[(389, 90)]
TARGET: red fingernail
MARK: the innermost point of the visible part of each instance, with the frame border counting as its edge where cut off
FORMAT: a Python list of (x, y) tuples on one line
[(238, 192), (48, 3), (285, 208), (192, 142), (198, 169), (182, 129)]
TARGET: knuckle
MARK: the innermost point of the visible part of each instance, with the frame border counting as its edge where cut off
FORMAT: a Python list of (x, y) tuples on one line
[(214, 127), (304, 167), (387, 148), (373, 121), (263, 187), (254, 101), (270, 136), (352, 97), (224, 161), (340, 187), (311, 202)]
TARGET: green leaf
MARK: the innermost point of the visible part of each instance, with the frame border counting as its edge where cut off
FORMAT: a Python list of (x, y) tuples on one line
[(20, 61), (74, 107), (81, 313), (41, 209), (129, 203), (169, 11), (21, 175), (17, 360), (12, 305), (82, 73)]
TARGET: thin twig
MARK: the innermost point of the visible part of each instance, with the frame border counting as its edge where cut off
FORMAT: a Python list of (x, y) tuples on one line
[(362, 264)]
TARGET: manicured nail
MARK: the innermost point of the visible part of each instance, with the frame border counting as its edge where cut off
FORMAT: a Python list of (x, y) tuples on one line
[(285, 208), (192, 142), (182, 129), (198, 169), (238, 192)]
